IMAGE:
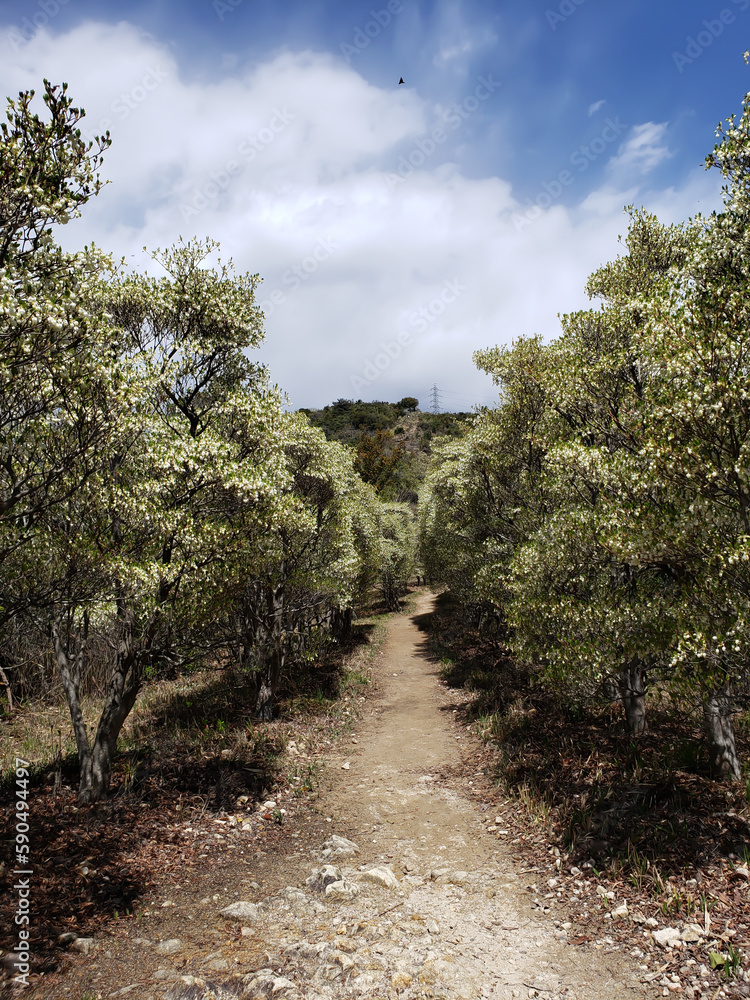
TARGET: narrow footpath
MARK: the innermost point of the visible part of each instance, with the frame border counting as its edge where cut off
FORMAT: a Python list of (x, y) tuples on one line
[(396, 888)]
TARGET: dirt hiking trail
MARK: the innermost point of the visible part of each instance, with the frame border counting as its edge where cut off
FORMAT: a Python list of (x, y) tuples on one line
[(395, 890)]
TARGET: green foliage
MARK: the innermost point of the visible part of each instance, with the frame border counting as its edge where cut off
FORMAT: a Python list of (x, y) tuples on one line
[(451, 425), (377, 461), (345, 420), (156, 504), (602, 508), (408, 404), (398, 545)]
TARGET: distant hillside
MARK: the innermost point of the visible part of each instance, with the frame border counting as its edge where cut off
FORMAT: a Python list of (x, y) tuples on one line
[(392, 440), (345, 420)]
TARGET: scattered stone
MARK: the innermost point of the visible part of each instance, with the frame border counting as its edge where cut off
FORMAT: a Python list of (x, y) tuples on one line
[(166, 974), (667, 937), (692, 933), (651, 922), (189, 988), (447, 875), (68, 937), (381, 876), (169, 947), (401, 980), (293, 895), (339, 847), (82, 945), (620, 912), (241, 910), (321, 878), (343, 960), (327, 973), (306, 950), (265, 983), (341, 890), (344, 944)]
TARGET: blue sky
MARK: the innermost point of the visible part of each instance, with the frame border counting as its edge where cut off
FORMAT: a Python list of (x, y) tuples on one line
[(397, 229)]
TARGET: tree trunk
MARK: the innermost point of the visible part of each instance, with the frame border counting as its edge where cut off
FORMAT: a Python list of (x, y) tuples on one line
[(273, 664), (69, 668), (96, 770), (632, 687), (717, 718), (8, 692), (122, 691)]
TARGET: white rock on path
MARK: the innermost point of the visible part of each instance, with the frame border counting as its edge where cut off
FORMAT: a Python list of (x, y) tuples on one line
[(341, 890), (264, 983), (321, 878), (381, 876), (692, 933), (448, 875), (82, 945), (241, 910), (668, 937), (339, 847), (170, 947)]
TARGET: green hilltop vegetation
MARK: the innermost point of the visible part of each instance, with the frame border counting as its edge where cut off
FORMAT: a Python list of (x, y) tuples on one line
[(392, 440)]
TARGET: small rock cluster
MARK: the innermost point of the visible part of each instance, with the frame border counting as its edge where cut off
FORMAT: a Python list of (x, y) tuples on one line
[(381, 930)]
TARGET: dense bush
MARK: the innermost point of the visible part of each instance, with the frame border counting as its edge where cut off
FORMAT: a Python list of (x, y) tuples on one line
[(601, 511), (157, 506)]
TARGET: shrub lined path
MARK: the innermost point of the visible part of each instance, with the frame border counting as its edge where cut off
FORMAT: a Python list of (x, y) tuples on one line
[(398, 890)]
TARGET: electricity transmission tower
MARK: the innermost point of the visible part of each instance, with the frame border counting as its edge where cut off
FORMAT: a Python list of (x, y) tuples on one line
[(435, 399)]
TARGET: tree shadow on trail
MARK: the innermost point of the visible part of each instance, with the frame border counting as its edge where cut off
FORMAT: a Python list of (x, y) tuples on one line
[(192, 750), (637, 807)]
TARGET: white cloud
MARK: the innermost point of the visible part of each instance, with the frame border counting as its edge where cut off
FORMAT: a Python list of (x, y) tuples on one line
[(451, 52), (458, 40), (349, 259), (644, 149), (593, 108)]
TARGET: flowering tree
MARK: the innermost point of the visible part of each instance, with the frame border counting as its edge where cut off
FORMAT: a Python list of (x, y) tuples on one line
[(297, 576), (55, 366), (486, 493), (397, 545), (195, 451), (612, 527)]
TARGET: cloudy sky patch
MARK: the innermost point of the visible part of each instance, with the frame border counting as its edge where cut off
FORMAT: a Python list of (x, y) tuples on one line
[(397, 228)]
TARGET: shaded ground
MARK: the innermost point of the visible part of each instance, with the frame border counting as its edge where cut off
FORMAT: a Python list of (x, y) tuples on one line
[(196, 753), (645, 816)]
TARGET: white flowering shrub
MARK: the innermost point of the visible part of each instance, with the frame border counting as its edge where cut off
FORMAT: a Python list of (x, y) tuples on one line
[(156, 503), (603, 508)]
